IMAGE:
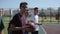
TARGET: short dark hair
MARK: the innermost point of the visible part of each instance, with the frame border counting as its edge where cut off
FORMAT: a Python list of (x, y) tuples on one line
[(35, 8), (22, 4)]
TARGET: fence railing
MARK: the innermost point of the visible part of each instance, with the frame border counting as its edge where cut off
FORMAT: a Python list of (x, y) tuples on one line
[(44, 17)]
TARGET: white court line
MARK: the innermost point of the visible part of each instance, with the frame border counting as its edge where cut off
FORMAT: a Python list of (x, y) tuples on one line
[(43, 30)]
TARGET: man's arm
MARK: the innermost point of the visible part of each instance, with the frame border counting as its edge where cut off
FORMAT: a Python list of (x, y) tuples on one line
[(35, 23), (2, 27), (12, 25), (2, 32), (13, 28)]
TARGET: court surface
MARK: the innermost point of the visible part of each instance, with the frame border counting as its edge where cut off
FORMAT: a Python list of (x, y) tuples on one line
[(41, 29), (52, 28), (44, 29)]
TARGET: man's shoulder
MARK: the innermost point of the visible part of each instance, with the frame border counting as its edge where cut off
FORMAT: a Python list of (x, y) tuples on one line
[(32, 14), (18, 14)]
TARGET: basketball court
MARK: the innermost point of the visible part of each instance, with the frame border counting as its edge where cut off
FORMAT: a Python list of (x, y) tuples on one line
[(44, 29), (49, 29)]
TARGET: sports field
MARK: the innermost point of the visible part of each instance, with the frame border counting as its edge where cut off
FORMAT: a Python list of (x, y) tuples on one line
[(41, 20)]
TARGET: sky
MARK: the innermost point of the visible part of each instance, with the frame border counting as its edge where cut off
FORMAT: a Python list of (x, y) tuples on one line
[(31, 3)]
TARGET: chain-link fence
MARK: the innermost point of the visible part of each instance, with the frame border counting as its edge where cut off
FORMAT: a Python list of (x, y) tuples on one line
[(46, 16)]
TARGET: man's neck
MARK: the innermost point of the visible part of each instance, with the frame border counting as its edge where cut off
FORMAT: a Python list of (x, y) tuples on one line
[(21, 12), (35, 14)]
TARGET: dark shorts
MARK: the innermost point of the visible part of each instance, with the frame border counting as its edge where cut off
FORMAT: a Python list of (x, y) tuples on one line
[(35, 32), (26, 32), (15, 32)]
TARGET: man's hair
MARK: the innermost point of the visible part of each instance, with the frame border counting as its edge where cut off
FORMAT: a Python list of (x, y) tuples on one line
[(35, 8), (22, 4)]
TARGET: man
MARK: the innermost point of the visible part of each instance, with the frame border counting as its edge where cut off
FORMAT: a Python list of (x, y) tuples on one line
[(17, 24), (1, 25), (34, 19)]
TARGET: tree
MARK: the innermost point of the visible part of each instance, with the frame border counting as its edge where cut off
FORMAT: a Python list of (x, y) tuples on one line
[(58, 14), (42, 14)]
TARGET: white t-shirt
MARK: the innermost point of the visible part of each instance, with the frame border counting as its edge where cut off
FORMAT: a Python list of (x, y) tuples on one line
[(34, 18)]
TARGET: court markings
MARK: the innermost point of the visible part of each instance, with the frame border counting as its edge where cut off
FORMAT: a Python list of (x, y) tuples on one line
[(43, 29)]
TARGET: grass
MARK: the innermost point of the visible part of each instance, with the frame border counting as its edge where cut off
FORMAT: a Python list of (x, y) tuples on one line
[(5, 29), (7, 20)]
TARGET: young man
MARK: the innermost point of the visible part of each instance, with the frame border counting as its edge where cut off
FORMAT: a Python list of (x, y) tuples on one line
[(17, 24), (1, 25), (34, 18)]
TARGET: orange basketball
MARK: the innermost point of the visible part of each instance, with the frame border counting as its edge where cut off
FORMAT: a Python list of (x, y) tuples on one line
[(31, 24), (31, 27)]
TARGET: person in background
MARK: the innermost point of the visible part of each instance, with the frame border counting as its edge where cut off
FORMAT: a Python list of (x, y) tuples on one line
[(34, 19), (1, 24)]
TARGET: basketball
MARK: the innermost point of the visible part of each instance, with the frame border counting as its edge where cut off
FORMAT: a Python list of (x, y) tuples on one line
[(31, 27), (31, 24)]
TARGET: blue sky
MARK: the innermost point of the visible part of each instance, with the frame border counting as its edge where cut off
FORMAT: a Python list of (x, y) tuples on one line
[(31, 3)]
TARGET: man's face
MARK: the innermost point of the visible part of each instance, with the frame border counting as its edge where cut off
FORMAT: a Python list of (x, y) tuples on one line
[(23, 8), (26, 12), (36, 11), (0, 12)]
